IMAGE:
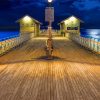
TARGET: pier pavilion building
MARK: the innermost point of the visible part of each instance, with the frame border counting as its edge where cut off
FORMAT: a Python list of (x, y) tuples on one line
[(70, 25), (29, 25)]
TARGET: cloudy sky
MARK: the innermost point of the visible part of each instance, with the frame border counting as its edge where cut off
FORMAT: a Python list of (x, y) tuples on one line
[(86, 10)]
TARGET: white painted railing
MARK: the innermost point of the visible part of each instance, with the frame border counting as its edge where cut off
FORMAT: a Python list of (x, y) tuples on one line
[(13, 42), (90, 43)]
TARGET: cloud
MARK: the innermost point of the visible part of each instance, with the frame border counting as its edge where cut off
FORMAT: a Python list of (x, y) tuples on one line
[(86, 4)]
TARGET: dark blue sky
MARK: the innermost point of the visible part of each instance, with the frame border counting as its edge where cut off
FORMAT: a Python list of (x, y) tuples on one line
[(86, 10)]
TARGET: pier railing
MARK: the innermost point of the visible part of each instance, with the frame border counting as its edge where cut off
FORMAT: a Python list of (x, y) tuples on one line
[(90, 43), (9, 44)]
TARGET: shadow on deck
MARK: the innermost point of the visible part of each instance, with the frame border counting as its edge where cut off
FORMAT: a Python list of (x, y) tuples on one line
[(64, 50)]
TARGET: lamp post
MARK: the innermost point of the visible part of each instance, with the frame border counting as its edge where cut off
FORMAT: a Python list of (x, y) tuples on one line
[(50, 21), (50, 3), (49, 17)]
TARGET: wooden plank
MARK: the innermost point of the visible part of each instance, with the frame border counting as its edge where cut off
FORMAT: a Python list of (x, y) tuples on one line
[(73, 75)]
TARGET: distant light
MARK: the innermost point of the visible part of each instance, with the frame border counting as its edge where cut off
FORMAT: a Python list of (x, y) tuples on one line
[(49, 1), (27, 19), (93, 31)]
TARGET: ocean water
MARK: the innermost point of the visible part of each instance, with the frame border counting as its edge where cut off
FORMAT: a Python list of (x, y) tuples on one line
[(87, 33), (4, 35), (91, 33)]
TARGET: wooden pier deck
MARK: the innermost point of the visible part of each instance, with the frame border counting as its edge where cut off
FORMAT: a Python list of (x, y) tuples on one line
[(74, 74)]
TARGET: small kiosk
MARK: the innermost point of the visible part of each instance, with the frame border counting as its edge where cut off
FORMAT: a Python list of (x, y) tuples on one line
[(29, 25), (70, 25)]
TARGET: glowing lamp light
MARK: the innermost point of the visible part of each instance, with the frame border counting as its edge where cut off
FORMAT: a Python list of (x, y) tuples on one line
[(27, 19), (72, 18), (49, 1), (66, 22)]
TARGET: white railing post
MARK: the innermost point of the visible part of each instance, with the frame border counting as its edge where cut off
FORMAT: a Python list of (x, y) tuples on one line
[(90, 43), (11, 43)]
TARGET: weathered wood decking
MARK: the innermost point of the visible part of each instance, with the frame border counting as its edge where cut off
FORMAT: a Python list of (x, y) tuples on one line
[(73, 75)]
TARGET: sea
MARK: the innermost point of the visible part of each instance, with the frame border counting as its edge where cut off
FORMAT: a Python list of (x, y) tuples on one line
[(91, 33), (87, 33), (5, 35)]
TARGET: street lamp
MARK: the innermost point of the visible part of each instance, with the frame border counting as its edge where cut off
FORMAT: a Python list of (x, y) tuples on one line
[(49, 1)]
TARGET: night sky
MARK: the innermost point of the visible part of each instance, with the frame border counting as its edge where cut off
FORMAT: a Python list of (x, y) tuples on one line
[(86, 10)]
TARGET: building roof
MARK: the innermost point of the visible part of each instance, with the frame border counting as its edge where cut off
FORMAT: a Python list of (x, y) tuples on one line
[(30, 17), (70, 17)]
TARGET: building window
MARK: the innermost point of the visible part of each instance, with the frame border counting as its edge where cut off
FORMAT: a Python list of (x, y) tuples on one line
[(72, 28)]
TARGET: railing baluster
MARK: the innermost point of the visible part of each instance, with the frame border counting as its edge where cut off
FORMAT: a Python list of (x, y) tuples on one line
[(6, 45), (90, 43)]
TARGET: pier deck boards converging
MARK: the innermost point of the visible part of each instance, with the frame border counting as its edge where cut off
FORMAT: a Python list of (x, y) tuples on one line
[(74, 74)]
